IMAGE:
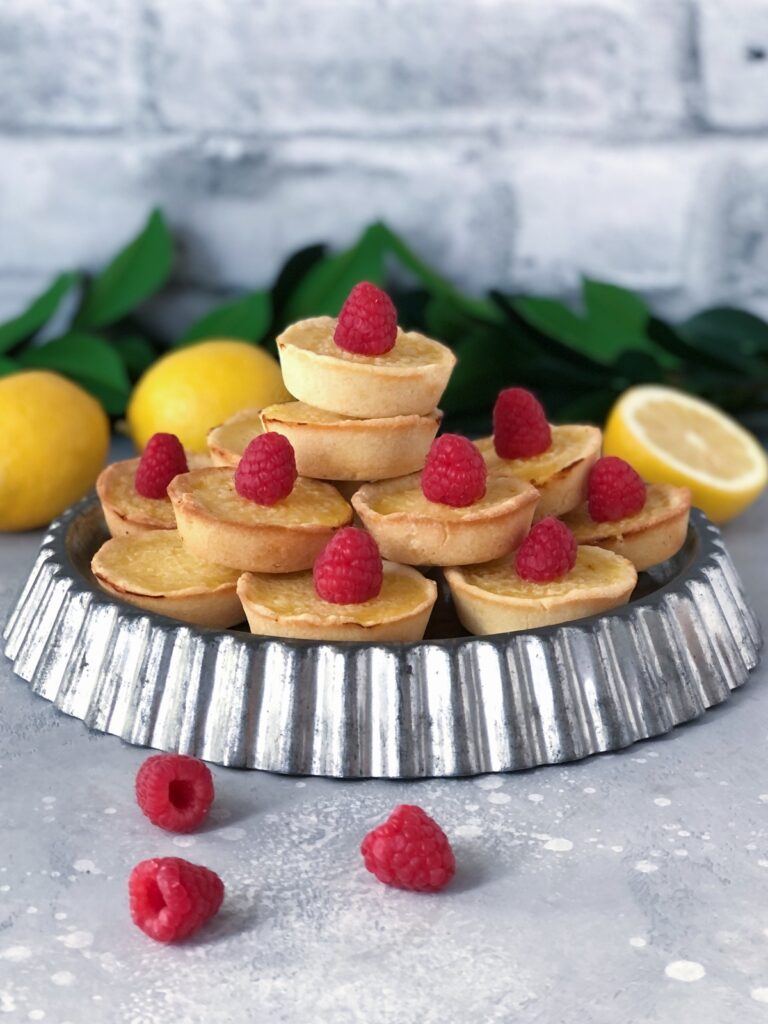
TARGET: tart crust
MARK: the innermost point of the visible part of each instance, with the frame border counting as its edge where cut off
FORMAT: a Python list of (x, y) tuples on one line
[(560, 474), (287, 606), (492, 598), (218, 525), (132, 568), (410, 529), (655, 534), (228, 441), (409, 379), (329, 446), (125, 510)]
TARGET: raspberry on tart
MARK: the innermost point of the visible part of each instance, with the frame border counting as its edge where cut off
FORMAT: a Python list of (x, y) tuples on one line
[(367, 323), (160, 462), (453, 513), (348, 570), (614, 490), (547, 553), (171, 898), (409, 851), (555, 459), (267, 471)]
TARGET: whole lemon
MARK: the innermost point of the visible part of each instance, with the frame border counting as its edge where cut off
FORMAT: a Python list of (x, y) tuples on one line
[(189, 391), (55, 440)]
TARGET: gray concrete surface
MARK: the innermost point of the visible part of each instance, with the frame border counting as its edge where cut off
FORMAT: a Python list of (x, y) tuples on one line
[(630, 888)]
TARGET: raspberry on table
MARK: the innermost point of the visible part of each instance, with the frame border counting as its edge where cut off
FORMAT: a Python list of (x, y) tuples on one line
[(455, 472), (367, 323), (547, 553), (409, 851), (614, 490), (348, 570), (171, 898), (174, 791), (162, 460), (267, 471), (520, 427)]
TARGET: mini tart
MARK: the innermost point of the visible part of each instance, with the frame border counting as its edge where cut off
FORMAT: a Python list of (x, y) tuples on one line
[(220, 526), (330, 446), (560, 473), (155, 571), (125, 510), (492, 598), (227, 442), (409, 379), (655, 534), (411, 529), (288, 606)]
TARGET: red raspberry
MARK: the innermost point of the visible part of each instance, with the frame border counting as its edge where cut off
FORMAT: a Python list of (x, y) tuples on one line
[(409, 851), (615, 490), (547, 553), (348, 570), (171, 898), (267, 471), (162, 460), (455, 472), (174, 791), (367, 322), (520, 427)]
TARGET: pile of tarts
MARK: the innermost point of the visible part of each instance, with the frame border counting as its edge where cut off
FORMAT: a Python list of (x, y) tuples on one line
[(530, 526)]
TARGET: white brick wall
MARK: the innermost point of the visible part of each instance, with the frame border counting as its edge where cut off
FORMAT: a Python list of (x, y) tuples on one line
[(516, 143)]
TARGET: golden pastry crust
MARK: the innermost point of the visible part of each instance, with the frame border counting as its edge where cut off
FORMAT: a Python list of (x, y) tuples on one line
[(287, 606), (220, 526), (329, 446), (228, 441), (409, 379), (125, 510), (653, 535), (560, 474), (410, 529), (154, 571), (492, 598)]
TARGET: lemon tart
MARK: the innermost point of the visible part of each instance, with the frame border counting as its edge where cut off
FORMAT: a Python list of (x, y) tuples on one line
[(493, 598), (410, 528), (330, 446), (221, 526), (408, 379), (156, 571), (228, 441), (288, 606), (560, 473), (652, 535)]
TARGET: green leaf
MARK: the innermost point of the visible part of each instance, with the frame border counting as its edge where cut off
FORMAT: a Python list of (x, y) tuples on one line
[(733, 335), (609, 304), (325, 287), (293, 272), (90, 361), (8, 366), (554, 319), (247, 318), (136, 353), (133, 276), (37, 313)]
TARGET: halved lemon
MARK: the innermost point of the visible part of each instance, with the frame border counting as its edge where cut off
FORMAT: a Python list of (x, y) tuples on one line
[(672, 437)]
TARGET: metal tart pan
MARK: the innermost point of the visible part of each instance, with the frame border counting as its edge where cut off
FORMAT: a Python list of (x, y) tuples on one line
[(451, 705)]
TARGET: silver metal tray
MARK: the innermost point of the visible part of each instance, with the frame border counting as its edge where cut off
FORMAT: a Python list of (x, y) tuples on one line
[(452, 705)]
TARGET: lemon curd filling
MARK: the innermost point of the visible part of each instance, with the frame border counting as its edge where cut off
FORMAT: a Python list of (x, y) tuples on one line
[(294, 594), (158, 564), (410, 349), (658, 500), (569, 444), (122, 494), (236, 434), (594, 568), (411, 499), (300, 412), (310, 501)]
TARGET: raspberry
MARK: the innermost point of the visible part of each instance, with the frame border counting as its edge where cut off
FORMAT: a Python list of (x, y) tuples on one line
[(409, 851), (455, 472), (547, 553), (162, 460), (348, 570), (615, 490), (367, 322), (171, 898), (174, 791), (520, 427), (267, 471)]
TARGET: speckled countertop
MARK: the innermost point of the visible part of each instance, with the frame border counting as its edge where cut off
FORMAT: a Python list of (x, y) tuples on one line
[(629, 888)]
